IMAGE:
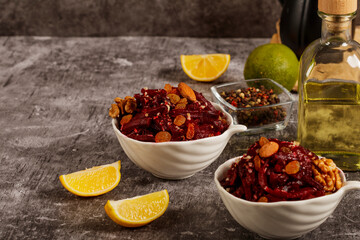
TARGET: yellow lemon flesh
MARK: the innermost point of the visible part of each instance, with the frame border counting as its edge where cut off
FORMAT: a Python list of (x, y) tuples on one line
[(138, 211), (206, 67), (94, 181)]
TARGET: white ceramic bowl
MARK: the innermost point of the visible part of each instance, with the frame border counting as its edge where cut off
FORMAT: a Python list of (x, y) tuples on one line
[(281, 220), (177, 160)]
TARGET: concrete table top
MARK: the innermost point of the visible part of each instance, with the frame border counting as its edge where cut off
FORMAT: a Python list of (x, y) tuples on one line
[(54, 100)]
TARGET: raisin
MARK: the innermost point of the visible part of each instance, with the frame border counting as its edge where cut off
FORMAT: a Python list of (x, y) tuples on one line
[(168, 88), (162, 136), (183, 100), (263, 199), (125, 119), (257, 163), (174, 98), (292, 167), (268, 149), (190, 131), (179, 120), (180, 106)]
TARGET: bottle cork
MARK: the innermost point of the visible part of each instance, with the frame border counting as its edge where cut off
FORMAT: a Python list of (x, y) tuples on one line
[(337, 7)]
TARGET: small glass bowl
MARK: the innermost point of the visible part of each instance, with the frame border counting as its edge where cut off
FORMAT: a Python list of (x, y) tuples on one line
[(257, 119)]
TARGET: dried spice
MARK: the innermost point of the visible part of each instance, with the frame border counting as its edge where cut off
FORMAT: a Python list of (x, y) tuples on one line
[(255, 97), (169, 114), (291, 173)]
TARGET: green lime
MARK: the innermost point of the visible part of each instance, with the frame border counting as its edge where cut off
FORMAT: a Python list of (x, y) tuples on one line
[(275, 61)]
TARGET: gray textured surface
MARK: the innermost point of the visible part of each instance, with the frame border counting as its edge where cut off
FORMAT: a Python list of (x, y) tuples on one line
[(197, 18), (54, 99)]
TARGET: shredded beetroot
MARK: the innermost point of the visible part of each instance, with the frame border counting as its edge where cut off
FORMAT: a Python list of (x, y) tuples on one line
[(271, 181), (155, 112)]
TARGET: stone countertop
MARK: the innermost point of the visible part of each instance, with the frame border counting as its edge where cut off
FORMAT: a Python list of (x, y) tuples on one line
[(55, 94)]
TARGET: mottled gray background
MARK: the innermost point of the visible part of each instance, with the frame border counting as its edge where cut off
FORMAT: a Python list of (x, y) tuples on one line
[(192, 18), (180, 18)]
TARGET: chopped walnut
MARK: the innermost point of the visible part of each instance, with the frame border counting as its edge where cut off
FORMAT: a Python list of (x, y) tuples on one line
[(114, 111), (120, 102), (130, 104), (117, 99), (327, 174)]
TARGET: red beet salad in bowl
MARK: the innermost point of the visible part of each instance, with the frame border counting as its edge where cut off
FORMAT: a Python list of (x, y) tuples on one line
[(169, 114), (281, 190), (172, 132), (274, 170)]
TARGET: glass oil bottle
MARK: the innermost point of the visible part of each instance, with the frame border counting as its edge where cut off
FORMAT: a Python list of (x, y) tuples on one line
[(329, 88)]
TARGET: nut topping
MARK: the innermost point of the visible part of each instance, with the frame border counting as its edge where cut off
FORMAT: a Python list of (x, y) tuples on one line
[(187, 91), (114, 111), (130, 104), (327, 174), (263, 141)]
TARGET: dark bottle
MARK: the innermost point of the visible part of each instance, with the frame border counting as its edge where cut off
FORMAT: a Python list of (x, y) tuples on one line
[(299, 24)]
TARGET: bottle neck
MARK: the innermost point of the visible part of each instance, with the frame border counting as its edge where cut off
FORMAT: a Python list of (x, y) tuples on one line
[(336, 27)]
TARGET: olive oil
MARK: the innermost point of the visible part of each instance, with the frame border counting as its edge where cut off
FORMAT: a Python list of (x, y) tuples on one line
[(329, 88), (329, 120)]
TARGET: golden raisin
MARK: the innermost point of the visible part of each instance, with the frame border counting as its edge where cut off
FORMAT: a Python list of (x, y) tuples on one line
[(268, 149), (257, 163), (180, 106), (263, 199), (174, 98), (168, 88), (183, 100), (179, 120), (292, 167), (190, 131), (125, 119), (162, 136), (285, 150)]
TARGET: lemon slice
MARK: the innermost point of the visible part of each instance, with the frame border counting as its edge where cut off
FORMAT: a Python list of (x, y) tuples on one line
[(206, 67), (138, 211), (94, 181)]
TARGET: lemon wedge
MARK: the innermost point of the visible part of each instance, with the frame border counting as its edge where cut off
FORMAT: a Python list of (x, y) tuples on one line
[(206, 67), (94, 181), (138, 211)]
